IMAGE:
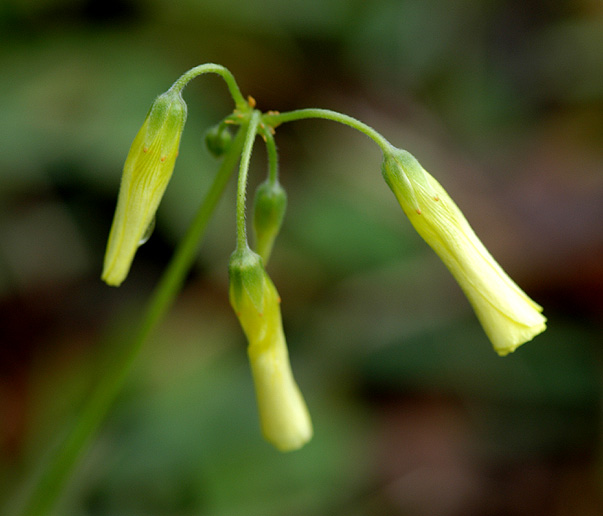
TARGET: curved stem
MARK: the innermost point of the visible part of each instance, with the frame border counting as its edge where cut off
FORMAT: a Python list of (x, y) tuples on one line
[(223, 72), (301, 114), (62, 464), (242, 183)]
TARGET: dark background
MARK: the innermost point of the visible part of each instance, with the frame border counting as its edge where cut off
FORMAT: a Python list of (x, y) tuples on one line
[(414, 413)]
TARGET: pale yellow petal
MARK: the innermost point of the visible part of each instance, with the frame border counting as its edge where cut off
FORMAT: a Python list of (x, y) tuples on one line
[(509, 317)]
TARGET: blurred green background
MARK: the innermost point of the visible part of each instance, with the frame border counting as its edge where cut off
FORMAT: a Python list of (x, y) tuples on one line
[(414, 413)]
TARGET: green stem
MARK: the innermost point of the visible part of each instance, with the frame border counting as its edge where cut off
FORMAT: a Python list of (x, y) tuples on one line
[(272, 156), (223, 72), (301, 114), (53, 479), (242, 182)]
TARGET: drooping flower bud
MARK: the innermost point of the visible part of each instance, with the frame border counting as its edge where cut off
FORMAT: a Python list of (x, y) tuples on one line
[(269, 207), (147, 171), (509, 317), (218, 140), (284, 417)]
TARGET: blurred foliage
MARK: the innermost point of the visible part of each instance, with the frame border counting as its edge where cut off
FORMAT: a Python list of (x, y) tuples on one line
[(414, 413)]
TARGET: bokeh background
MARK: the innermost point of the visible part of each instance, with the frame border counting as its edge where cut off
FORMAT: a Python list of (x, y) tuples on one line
[(414, 413)]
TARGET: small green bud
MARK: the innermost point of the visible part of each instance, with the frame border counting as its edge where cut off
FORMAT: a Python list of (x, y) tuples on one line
[(246, 274), (147, 172), (269, 207), (218, 140)]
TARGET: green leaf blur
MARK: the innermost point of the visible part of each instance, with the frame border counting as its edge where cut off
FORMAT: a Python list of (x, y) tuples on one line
[(413, 413)]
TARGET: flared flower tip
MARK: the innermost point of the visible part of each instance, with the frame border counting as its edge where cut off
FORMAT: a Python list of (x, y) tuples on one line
[(284, 417), (147, 171), (509, 330), (509, 317)]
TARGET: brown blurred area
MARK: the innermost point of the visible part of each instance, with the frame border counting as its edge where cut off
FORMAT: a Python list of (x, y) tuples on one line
[(502, 101)]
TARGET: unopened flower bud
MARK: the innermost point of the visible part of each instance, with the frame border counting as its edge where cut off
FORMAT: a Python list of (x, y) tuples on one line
[(269, 207), (508, 316), (218, 140), (284, 417), (147, 171)]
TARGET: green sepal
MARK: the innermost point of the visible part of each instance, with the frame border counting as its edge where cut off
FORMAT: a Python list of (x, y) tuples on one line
[(269, 206), (168, 115), (218, 140), (247, 276), (401, 170)]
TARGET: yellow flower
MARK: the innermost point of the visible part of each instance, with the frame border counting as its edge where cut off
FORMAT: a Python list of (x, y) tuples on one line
[(284, 417), (509, 317), (147, 171)]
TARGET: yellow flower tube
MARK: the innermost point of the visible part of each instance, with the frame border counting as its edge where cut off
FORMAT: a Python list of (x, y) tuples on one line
[(284, 417), (147, 171), (509, 317)]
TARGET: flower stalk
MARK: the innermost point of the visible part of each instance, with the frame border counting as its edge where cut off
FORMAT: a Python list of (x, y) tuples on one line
[(242, 180), (65, 458)]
